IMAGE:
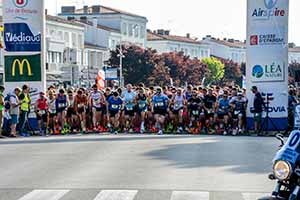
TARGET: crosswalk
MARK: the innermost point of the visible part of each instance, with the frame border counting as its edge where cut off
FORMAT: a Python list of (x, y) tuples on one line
[(133, 195)]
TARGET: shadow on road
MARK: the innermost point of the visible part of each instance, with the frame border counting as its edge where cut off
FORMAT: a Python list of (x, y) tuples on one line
[(235, 156)]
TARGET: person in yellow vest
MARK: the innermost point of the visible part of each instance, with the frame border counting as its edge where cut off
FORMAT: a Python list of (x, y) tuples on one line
[(24, 108), (1, 109)]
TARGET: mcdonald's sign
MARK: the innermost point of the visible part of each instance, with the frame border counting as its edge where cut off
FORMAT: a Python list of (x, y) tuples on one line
[(23, 68)]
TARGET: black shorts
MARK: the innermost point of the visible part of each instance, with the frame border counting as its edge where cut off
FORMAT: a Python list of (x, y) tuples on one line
[(98, 109), (129, 112), (236, 116), (60, 110), (176, 112), (80, 110), (43, 117), (221, 115), (160, 112), (113, 113), (52, 115), (70, 112)]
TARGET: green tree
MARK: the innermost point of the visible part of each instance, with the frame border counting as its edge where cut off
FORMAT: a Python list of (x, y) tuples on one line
[(216, 70)]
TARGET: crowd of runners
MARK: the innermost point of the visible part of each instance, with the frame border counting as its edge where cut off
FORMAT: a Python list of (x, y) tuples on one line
[(134, 109)]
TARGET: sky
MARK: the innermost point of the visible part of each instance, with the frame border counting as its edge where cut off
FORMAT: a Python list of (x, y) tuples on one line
[(219, 18)]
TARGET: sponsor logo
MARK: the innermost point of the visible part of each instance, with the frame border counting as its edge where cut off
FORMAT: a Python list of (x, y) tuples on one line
[(268, 72), (20, 3), (266, 39), (18, 37), (23, 68), (21, 65), (254, 40), (269, 11), (272, 108), (257, 71)]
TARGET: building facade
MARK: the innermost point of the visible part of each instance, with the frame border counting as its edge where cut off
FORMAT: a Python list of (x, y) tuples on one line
[(227, 48), (64, 50), (163, 42), (131, 26)]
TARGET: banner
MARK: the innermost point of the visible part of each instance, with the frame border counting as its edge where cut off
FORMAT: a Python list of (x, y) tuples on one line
[(267, 58), (24, 23)]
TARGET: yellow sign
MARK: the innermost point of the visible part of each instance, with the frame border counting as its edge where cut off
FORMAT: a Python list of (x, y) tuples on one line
[(21, 67)]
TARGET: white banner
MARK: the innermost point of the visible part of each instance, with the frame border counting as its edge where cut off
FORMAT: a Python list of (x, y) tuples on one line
[(24, 24), (267, 57)]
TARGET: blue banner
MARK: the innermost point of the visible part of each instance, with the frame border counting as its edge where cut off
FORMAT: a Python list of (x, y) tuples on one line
[(18, 37)]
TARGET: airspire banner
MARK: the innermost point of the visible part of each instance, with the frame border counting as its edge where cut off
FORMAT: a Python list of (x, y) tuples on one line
[(267, 58)]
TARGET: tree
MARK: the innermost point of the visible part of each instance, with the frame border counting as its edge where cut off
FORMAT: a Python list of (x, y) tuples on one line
[(215, 70), (138, 63)]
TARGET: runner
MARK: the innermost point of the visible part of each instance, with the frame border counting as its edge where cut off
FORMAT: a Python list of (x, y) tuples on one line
[(97, 102), (128, 114), (160, 103), (80, 105), (142, 107), (194, 112), (52, 117), (178, 101), (61, 106), (41, 107), (114, 107)]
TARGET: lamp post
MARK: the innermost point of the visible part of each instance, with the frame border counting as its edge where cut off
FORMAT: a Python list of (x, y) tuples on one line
[(121, 56)]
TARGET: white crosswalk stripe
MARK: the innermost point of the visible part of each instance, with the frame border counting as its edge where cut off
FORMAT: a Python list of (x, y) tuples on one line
[(254, 196), (116, 195), (185, 195), (45, 195)]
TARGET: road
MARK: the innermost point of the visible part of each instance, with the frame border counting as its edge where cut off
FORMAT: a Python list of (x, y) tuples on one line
[(134, 167)]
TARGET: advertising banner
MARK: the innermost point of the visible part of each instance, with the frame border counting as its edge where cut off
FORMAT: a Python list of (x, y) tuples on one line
[(24, 23), (267, 58)]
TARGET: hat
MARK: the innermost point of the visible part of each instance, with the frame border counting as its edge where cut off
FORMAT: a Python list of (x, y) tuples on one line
[(42, 93), (240, 94)]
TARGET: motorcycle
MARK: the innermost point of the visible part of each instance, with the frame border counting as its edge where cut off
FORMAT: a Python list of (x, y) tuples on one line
[(286, 169)]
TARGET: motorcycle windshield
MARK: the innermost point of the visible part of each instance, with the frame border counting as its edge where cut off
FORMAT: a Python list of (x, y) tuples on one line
[(291, 150)]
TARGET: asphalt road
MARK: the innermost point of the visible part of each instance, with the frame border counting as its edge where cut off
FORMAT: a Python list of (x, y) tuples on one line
[(136, 168)]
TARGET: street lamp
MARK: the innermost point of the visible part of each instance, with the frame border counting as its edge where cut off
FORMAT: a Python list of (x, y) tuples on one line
[(121, 56)]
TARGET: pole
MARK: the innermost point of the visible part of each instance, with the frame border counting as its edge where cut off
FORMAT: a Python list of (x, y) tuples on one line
[(121, 66)]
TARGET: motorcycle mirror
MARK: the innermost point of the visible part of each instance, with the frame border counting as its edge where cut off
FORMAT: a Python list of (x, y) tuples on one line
[(280, 138)]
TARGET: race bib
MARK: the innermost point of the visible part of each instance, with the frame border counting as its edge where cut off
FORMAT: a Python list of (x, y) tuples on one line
[(42, 112), (80, 105), (210, 111), (52, 111), (177, 106), (129, 107), (97, 101), (195, 112), (114, 106), (61, 105), (236, 112), (159, 104), (142, 105)]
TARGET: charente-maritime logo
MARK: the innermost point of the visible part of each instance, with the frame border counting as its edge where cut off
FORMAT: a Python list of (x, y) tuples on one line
[(269, 11)]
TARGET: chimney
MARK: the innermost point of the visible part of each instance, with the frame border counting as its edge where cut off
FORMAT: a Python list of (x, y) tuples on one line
[(160, 31), (68, 9), (167, 32), (225, 39), (85, 9), (96, 9), (83, 19), (188, 35)]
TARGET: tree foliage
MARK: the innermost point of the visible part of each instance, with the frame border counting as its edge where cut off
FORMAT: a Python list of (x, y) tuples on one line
[(216, 70)]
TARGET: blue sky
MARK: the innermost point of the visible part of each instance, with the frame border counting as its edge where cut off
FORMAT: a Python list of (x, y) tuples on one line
[(220, 18)]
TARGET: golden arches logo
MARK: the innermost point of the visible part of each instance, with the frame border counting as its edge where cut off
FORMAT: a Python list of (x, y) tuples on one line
[(21, 67)]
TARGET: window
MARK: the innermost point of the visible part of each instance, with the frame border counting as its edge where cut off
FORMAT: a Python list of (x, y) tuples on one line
[(66, 37), (80, 41), (130, 30), (142, 34), (136, 31), (74, 40), (59, 35), (124, 29), (52, 32)]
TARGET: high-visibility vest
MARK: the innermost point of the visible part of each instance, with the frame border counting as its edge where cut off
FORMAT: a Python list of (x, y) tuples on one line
[(25, 103)]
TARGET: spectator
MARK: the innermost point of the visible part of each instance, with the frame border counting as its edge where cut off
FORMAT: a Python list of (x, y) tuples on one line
[(1, 109), (14, 110), (25, 108), (257, 109)]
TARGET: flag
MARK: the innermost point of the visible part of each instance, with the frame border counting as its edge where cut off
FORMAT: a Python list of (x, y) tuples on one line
[(100, 80)]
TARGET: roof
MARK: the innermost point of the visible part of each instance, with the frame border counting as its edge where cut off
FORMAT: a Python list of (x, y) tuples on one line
[(62, 20), (295, 50), (108, 10), (155, 37), (101, 26), (93, 46), (233, 44)]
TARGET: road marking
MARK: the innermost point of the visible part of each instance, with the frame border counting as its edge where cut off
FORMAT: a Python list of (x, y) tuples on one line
[(45, 195), (116, 195), (182, 195), (254, 196)]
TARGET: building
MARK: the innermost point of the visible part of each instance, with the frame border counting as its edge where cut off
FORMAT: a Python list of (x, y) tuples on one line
[(294, 53), (163, 42), (64, 50), (227, 48), (131, 26)]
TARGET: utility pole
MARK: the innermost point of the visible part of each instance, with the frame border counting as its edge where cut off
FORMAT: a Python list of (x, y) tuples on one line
[(121, 56)]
